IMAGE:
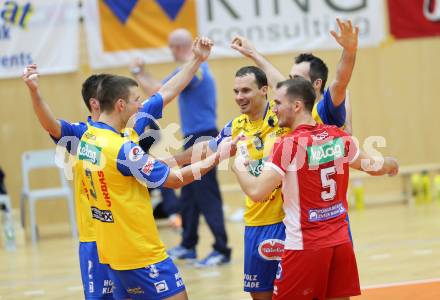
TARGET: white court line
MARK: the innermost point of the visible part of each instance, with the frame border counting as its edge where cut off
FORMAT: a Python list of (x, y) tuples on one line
[(423, 252), (74, 288), (380, 256), (377, 286), (34, 293), (209, 274)]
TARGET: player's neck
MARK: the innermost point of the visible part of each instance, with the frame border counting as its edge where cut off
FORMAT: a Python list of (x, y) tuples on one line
[(258, 114), (319, 97), (112, 120), (303, 119), (95, 116)]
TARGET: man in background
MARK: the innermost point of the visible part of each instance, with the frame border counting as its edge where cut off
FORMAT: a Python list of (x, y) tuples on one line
[(197, 107)]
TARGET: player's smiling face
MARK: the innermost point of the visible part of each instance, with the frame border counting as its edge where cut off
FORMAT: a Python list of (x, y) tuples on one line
[(247, 93)]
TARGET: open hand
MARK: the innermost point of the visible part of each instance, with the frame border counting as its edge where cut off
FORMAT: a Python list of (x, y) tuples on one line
[(202, 48), (348, 36), (244, 46)]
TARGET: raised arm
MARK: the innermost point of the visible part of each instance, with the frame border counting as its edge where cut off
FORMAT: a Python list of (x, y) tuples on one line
[(201, 49), (247, 49), (348, 126), (348, 39), (41, 109), (149, 84)]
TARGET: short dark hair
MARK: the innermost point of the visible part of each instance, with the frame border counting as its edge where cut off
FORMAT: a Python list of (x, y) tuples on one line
[(260, 76), (90, 88), (112, 88), (318, 69), (299, 88)]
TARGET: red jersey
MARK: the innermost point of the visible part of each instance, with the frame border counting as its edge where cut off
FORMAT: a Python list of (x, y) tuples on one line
[(314, 163)]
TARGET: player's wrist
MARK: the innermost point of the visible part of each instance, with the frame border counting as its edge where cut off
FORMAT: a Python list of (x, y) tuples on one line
[(136, 70)]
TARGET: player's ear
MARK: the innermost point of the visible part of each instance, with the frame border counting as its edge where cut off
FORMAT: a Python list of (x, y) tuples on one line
[(120, 104), (317, 84)]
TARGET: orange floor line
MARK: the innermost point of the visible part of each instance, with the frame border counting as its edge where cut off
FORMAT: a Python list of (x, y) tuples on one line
[(418, 291)]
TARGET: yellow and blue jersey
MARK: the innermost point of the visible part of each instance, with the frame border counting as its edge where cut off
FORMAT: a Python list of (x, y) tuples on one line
[(261, 135), (71, 133), (115, 171), (325, 112)]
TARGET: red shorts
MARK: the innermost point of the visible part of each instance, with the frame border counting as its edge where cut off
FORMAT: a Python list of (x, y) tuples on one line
[(318, 274)]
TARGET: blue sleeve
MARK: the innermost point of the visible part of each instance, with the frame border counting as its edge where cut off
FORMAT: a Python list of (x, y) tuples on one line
[(71, 133), (150, 111), (330, 114), (133, 161), (226, 132)]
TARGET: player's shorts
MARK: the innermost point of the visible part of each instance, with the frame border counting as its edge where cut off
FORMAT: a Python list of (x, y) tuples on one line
[(97, 279), (263, 248), (318, 274), (156, 281)]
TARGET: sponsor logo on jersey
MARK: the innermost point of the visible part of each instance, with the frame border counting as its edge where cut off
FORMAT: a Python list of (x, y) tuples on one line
[(149, 166), (251, 281), (105, 216), (330, 151), (89, 152), (161, 286), (135, 291), (320, 136), (256, 166), (135, 153), (271, 249), (179, 281), (322, 214), (104, 189)]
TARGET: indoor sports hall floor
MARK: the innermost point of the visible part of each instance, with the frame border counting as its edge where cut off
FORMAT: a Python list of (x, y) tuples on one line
[(397, 247)]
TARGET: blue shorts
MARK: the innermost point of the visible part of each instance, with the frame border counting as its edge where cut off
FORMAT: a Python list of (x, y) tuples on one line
[(263, 248), (98, 281), (157, 281)]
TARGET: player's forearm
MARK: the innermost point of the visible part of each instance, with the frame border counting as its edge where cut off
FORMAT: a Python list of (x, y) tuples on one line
[(192, 172), (386, 168), (343, 75), (273, 75), (249, 184), (180, 80), (148, 83), (45, 115)]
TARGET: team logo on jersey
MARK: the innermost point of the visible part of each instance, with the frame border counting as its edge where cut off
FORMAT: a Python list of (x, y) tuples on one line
[(279, 271), (154, 272), (89, 152), (330, 151), (135, 153), (322, 214), (149, 166), (161, 286), (90, 136), (271, 249), (258, 142)]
